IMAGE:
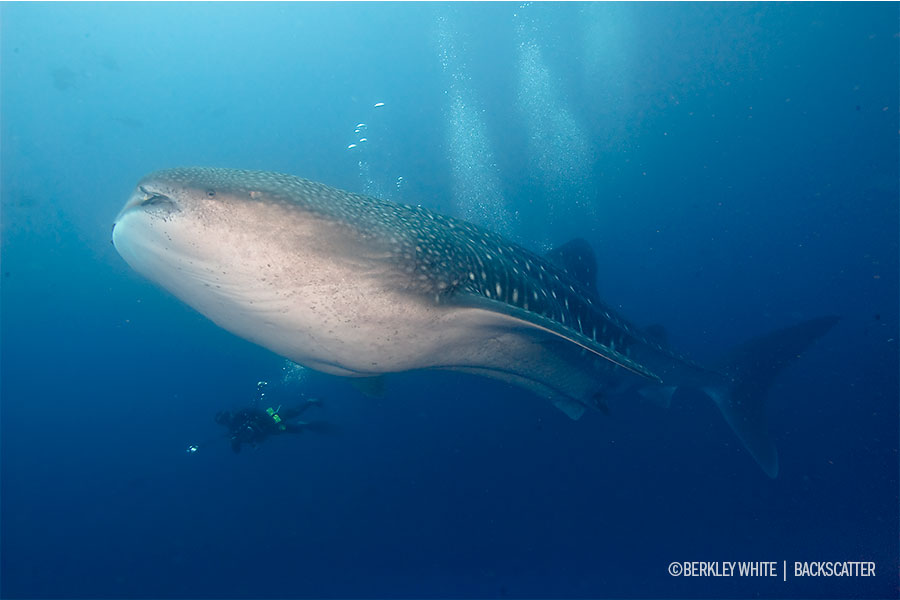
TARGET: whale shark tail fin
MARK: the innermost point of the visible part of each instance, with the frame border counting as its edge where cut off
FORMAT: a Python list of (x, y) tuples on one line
[(751, 369)]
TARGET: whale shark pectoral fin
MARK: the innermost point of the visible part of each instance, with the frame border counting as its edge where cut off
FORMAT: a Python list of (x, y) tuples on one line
[(573, 409)]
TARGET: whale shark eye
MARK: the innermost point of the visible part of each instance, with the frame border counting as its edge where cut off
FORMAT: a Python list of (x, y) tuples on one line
[(211, 193)]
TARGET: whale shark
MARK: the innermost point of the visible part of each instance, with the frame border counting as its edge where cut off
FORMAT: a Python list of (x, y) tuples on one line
[(357, 286)]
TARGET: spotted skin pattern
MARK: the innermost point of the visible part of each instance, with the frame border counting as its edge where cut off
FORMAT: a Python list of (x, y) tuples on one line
[(448, 260)]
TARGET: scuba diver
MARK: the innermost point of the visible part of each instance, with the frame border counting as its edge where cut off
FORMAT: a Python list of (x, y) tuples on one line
[(253, 425)]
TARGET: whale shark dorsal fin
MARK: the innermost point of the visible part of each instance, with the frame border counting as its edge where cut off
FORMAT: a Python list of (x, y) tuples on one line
[(577, 258), (658, 333)]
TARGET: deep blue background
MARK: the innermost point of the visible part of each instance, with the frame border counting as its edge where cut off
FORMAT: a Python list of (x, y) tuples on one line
[(734, 166)]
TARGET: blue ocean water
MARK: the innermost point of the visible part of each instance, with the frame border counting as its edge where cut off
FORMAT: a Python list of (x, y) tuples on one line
[(734, 166)]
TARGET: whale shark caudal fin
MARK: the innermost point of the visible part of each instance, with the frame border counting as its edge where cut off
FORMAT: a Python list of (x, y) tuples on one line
[(752, 368)]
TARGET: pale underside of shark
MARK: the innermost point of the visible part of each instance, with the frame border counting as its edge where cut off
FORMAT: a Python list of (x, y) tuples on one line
[(355, 286)]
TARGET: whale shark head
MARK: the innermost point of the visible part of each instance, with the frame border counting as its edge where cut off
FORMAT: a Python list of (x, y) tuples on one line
[(260, 254), (199, 221)]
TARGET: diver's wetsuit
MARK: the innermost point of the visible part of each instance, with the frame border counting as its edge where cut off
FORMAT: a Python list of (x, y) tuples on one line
[(253, 425)]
